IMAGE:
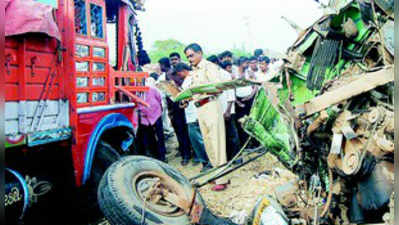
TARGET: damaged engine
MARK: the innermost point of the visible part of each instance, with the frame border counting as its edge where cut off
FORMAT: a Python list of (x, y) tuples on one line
[(332, 121)]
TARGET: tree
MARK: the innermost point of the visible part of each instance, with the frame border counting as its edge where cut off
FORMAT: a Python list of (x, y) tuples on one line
[(162, 48)]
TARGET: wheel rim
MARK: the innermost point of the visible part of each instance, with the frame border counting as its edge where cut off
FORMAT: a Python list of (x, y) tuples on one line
[(150, 186)]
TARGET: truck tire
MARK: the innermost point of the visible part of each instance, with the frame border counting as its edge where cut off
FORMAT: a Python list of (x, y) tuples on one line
[(121, 193), (104, 157)]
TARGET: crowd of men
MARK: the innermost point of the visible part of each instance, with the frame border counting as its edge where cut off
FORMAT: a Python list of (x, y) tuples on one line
[(206, 126)]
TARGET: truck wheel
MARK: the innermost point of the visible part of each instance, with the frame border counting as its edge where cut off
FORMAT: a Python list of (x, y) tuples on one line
[(104, 157), (126, 192)]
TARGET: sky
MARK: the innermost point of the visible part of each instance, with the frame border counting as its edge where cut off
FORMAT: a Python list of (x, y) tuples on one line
[(218, 25)]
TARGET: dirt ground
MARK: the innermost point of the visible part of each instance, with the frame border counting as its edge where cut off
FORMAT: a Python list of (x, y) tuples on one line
[(244, 190)]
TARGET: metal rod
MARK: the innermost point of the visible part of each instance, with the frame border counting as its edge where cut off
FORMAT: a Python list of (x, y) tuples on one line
[(216, 168), (231, 170)]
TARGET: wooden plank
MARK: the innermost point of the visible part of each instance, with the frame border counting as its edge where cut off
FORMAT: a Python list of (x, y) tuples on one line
[(133, 97), (363, 84)]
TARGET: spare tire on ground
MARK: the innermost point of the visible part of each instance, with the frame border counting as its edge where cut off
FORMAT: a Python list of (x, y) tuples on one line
[(126, 193)]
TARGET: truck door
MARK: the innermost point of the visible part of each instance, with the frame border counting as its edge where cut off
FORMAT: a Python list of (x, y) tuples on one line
[(91, 53)]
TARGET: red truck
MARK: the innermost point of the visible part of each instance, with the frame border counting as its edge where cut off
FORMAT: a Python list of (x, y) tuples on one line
[(71, 92)]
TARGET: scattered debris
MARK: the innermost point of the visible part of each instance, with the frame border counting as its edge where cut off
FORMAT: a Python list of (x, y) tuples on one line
[(332, 123), (239, 217)]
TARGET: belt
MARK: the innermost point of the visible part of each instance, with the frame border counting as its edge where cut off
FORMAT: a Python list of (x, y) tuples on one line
[(203, 101)]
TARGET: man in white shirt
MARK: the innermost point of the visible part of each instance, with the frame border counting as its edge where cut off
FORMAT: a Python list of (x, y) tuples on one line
[(267, 71), (253, 64), (228, 98), (232, 139), (245, 96), (176, 114), (194, 131), (210, 111)]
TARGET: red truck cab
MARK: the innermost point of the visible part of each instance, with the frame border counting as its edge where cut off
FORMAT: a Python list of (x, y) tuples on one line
[(71, 82)]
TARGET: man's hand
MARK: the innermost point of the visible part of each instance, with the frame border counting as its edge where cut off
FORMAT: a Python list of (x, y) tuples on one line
[(227, 115), (240, 104), (183, 104), (247, 98)]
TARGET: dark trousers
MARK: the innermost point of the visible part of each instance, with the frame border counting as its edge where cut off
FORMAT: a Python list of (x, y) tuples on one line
[(151, 141), (179, 124), (241, 112), (232, 139), (197, 141)]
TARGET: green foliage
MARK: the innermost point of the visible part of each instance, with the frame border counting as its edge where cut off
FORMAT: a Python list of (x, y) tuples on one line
[(238, 52), (162, 48)]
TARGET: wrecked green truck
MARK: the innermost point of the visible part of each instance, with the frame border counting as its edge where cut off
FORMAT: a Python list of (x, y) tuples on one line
[(327, 117), (332, 122)]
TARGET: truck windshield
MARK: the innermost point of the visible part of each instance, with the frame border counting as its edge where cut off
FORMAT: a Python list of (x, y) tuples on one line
[(80, 17)]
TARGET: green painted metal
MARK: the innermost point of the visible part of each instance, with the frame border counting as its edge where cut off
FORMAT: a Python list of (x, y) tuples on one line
[(213, 88), (265, 124)]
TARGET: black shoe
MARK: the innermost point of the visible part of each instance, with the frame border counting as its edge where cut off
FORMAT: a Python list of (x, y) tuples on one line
[(184, 162), (206, 167)]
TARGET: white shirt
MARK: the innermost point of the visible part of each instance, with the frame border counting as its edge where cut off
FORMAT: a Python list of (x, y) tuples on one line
[(228, 95), (263, 77), (272, 72), (234, 69), (162, 77), (190, 110), (150, 82), (243, 92)]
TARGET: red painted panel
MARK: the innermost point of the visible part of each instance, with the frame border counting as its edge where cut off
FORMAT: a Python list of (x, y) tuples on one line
[(40, 75), (12, 92), (12, 54), (13, 76), (11, 43), (41, 59), (86, 124), (41, 43), (34, 91)]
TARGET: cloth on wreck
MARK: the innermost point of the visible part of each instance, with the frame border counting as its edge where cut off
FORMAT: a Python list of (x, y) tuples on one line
[(149, 115), (28, 16), (210, 116)]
